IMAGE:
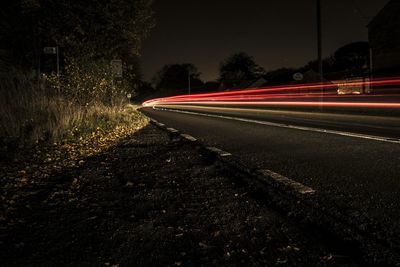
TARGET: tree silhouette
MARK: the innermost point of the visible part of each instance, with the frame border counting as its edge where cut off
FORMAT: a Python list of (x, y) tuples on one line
[(91, 28), (238, 68), (351, 56), (176, 77)]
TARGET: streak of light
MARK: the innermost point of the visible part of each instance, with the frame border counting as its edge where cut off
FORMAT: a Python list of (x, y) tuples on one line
[(290, 103), (294, 95)]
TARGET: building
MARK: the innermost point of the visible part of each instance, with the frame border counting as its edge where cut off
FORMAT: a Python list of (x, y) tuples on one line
[(384, 39)]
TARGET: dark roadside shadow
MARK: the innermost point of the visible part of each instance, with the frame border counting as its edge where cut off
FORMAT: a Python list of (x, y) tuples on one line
[(71, 217)]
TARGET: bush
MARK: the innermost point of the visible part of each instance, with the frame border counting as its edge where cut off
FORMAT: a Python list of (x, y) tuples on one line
[(84, 82), (83, 100)]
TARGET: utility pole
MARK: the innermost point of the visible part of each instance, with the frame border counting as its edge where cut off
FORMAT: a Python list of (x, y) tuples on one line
[(319, 40), (189, 85), (371, 62), (58, 62)]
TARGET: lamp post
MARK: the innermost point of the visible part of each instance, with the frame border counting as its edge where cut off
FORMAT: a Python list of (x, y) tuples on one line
[(319, 43), (319, 37), (189, 85)]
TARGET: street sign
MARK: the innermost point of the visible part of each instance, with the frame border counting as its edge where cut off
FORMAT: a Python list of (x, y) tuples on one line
[(129, 96), (298, 76), (116, 68), (50, 50)]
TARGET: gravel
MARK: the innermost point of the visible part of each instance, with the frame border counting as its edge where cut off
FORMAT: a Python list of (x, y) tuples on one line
[(153, 200)]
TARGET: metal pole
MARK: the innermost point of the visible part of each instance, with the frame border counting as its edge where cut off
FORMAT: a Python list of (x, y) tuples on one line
[(58, 63), (371, 62), (319, 40), (39, 71), (189, 81), (371, 68)]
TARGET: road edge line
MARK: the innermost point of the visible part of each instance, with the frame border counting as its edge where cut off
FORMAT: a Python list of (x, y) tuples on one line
[(289, 126)]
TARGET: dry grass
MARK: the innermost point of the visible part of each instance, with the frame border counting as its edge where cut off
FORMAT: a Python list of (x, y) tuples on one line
[(30, 113)]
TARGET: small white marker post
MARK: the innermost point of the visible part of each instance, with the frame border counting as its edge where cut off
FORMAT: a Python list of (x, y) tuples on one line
[(53, 50)]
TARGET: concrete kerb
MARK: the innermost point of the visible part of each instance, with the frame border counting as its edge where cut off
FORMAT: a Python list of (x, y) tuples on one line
[(264, 176), (158, 124)]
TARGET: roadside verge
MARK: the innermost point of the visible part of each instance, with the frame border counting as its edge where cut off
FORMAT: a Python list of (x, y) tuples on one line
[(151, 200)]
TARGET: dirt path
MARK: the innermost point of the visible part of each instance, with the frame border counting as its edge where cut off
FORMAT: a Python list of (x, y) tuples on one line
[(153, 201)]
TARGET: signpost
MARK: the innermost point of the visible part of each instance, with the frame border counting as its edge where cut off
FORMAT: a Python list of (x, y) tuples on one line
[(116, 71), (116, 68), (53, 50), (50, 50), (298, 76)]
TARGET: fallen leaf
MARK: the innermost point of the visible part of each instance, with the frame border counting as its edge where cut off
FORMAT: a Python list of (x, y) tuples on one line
[(203, 245)]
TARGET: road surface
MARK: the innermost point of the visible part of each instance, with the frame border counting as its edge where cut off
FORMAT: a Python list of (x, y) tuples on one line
[(359, 175)]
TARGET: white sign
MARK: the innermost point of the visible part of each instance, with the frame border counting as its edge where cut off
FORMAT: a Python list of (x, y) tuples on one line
[(50, 50), (129, 96), (116, 68), (298, 76)]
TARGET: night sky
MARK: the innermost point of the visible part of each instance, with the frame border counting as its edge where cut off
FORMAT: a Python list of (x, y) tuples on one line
[(278, 33)]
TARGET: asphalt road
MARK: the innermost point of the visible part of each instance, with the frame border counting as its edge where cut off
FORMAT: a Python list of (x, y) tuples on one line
[(358, 175), (387, 126)]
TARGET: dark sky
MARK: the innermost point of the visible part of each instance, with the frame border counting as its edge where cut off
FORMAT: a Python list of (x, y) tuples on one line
[(276, 33)]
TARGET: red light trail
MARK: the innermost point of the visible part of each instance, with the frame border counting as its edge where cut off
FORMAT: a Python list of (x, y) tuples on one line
[(297, 95)]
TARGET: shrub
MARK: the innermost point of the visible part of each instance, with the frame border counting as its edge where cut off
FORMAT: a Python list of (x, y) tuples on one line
[(81, 101)]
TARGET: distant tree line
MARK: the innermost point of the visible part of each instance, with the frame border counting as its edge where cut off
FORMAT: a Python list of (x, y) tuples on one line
[(239, 68), (176, 77)]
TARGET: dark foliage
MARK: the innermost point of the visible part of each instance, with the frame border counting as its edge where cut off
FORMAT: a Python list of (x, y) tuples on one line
[(91, 29), (280, 76), (211, 86), (238, 68), (175, 77), (351, 56)]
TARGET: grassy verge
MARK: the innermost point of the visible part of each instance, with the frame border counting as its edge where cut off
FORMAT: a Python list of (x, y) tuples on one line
[(43, 132), (99, 130)]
